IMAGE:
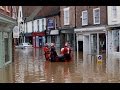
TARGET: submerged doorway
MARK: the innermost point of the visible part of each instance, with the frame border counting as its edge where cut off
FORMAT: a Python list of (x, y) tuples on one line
[(80, 46)]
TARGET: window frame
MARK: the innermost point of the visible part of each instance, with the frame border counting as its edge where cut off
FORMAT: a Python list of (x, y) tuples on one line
[(83, 24), (66, 17), (94, 16)]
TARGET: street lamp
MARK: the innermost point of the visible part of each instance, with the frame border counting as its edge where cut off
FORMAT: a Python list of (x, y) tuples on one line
[(22, 31)]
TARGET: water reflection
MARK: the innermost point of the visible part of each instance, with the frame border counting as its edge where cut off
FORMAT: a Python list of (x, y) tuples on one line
[(30, 67), (6, 74)]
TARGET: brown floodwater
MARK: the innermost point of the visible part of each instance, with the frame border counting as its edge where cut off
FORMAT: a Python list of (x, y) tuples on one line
[(29, 66)]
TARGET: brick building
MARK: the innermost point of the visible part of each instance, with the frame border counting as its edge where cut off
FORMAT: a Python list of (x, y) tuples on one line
[(91, 22), (67, 18), (52, 24)]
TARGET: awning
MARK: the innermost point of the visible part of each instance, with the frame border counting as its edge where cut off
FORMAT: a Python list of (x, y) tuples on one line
[(54, 32)]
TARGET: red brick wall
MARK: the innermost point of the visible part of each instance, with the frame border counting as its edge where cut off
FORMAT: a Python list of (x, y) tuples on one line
[(72, 16), (103, 15), (3, 11)]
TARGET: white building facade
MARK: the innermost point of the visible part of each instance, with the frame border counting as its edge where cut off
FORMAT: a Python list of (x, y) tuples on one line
[(33, 31), (113, 30)]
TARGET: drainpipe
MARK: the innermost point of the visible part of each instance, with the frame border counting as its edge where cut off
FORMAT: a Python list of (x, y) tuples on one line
[(74, 28)]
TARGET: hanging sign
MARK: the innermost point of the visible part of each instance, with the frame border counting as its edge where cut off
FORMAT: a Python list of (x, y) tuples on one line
[(16, 32)]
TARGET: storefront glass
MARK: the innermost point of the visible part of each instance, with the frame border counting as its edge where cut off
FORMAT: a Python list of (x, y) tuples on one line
[(102, 43), (115, 40), (93, 43), (98, 43)]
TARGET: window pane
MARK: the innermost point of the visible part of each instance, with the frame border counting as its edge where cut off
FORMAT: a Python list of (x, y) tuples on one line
[(97, 16), (85, 18)]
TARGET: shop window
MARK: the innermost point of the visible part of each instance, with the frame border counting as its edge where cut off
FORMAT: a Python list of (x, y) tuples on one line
[(96, 16), (66, 16), (102, 43), (116, 40), (84, 18), (93, 43)]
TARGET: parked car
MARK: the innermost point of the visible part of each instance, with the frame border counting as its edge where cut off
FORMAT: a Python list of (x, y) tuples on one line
[(24, 45)]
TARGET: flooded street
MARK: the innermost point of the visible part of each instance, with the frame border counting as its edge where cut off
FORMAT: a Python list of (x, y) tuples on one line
[(30, 67)]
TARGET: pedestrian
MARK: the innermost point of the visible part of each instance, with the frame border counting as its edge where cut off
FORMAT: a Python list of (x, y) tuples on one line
[(53, 54), (46, 52)]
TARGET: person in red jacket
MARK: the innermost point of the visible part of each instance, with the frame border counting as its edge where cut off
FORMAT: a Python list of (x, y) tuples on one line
[(66, 52), (46, 52)]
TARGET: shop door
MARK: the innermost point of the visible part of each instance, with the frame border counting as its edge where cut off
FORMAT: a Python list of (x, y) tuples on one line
[(40, 41)]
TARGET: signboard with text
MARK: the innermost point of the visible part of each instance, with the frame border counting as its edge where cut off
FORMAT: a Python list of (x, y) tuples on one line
[(50, 24)]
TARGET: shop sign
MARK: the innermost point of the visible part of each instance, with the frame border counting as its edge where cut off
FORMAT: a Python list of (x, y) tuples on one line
[(50, 24), (16, 32)]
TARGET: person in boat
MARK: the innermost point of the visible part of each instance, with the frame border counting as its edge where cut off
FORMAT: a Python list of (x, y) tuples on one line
[(53, 53), (61, 56), (46, 52), (66, 52), (69, 51)]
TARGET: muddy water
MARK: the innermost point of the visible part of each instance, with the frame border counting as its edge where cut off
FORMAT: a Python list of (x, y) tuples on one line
[(30, 67)]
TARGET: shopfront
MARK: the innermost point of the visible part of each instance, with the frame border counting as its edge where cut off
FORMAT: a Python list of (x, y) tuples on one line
[(67, 36), (114, 41), (94, 40), (38, 39), (54, 37)]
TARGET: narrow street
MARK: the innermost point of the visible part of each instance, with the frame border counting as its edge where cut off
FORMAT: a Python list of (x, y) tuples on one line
[(30, 67)]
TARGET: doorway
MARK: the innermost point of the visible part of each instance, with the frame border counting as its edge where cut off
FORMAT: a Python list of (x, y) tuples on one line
[(6, 50), (80, 46)]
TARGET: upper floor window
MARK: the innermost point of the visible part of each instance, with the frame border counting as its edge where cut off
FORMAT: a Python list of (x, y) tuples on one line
[(114, 12), (66, 16), (84, 18), (96, 16)]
